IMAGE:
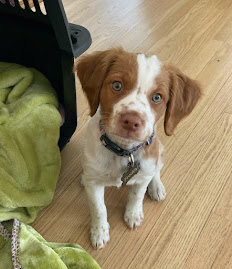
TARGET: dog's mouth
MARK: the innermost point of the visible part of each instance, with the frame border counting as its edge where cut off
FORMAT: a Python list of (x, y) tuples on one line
[(126, 139), (123, 142)]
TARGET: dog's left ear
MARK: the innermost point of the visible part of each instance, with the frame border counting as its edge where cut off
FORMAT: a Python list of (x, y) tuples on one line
[(184, 94)]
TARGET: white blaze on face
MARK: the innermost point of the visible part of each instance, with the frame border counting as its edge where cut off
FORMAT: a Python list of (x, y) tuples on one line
[(137, 100)]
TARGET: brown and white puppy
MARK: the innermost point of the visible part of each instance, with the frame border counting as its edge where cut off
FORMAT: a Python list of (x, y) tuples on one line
[(128, 93)]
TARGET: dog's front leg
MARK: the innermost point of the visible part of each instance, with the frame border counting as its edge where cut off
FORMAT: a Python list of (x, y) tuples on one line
[(100, 226), (134, 209), (156, 189)]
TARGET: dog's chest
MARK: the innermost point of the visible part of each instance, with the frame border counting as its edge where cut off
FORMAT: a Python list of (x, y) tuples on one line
[(107, 168)]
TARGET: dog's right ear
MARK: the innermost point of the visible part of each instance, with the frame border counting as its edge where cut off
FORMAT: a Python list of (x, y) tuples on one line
[(91, 70)]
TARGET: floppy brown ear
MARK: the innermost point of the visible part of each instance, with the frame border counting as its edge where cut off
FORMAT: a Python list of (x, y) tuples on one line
[(184, 94), (91, 70)]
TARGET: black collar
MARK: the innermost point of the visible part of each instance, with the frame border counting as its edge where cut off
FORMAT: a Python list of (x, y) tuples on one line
[(110, 145)]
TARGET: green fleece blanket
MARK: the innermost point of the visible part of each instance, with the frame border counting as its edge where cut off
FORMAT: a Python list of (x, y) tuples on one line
[(31, 251), (29, 169), (29, 132)]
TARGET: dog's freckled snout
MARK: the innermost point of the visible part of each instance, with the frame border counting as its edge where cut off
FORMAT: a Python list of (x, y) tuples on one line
[(131, 122)]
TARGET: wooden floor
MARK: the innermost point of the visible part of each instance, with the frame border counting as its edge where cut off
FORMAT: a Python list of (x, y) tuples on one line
[(192, 228)]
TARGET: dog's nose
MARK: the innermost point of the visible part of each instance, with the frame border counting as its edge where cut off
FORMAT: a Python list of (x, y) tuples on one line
[(131, 122)]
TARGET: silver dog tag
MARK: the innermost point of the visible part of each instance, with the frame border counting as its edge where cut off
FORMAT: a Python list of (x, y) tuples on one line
[(133, 169)]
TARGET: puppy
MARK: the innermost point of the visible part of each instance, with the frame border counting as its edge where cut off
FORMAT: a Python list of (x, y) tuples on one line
[(127, 94)]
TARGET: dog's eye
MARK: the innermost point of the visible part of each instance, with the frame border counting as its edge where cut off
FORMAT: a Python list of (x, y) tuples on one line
[(117, 86), (156, 98)]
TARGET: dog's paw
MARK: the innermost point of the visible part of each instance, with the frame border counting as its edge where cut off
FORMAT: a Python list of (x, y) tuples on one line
[(156, 190), (100, 236), (133, 218)]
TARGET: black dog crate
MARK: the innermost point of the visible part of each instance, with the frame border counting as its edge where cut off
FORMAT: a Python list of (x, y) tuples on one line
[(48, 43)]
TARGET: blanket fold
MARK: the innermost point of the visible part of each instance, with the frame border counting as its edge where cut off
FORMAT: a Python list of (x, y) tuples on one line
[(31, 251)]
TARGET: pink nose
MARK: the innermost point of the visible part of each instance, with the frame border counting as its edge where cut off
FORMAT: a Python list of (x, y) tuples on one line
[(131, 122)]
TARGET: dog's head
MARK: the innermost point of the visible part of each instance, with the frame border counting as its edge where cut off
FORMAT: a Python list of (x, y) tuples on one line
[(133, 91)]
